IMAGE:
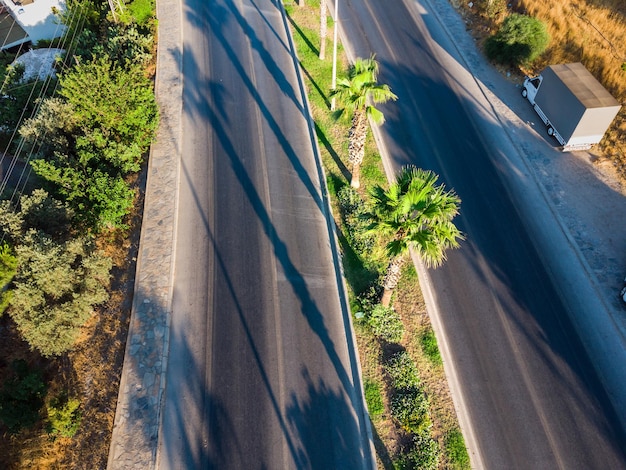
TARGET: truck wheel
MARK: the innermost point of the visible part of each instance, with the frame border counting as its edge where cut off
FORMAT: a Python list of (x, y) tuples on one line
[(524, 92), (550, 131)]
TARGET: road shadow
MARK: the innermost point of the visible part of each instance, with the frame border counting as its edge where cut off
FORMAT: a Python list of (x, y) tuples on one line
[(213, 100)]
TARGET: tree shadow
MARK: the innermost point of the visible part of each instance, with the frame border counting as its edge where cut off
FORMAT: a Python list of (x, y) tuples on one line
[(331, 151)]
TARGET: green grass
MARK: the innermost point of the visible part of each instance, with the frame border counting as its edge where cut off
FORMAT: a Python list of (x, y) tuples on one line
[(360, 274), (456, 451), (373, 398), (429, 346)]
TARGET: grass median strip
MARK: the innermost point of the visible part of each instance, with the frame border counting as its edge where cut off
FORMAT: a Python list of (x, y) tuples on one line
[(414, 426)]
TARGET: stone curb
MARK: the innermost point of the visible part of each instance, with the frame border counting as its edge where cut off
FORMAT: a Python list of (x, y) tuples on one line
[(137, 418)]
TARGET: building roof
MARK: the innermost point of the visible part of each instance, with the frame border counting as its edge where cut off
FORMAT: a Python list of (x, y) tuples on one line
[(34, 17), (11, 33)]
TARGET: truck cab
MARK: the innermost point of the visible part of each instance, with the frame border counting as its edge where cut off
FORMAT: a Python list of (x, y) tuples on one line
[(531, 85)]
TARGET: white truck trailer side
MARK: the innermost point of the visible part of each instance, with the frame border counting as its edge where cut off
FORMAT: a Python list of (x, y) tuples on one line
[(576, 109)]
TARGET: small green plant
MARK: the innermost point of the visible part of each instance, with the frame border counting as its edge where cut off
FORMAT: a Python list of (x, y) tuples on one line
[(409, 407), (386, 324), (63, 416), (21, 397), (456, 451), (429, 346), (520, 40), (402, 371), (422, 454), (493, 8), (353, 209), (373, 398), (8, 268)]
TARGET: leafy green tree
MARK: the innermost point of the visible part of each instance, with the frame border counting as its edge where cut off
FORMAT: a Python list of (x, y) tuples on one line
[(415, 213), (58, 279), (87, 142), (56, 288), (99, 199), (357, 93), (520, 40), (115, 108)]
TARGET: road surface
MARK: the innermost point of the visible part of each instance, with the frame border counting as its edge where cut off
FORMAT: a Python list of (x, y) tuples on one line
[(529, 392), (261, 371)]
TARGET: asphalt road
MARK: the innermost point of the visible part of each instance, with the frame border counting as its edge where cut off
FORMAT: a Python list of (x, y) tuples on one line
[(529, 393), (261, 369)]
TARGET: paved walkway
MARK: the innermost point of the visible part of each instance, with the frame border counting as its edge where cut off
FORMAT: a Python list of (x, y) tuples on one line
[(135, 431)]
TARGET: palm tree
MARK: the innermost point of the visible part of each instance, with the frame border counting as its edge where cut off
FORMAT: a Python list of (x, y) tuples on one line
[(356, 93), (415, 213)]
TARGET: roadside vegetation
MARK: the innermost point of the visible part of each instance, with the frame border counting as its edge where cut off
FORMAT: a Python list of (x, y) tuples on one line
[(412, 415), (589, 31), (73, 148)]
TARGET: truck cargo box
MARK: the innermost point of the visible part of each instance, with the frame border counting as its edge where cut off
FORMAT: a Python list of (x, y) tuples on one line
[(578, 106)]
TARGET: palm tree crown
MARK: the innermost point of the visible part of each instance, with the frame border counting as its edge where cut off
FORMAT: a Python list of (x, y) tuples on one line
[(416, 212)]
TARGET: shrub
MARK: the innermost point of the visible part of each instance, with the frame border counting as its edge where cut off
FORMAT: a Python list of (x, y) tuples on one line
[(429, 346), (352, 209), (63, 416), (373, 398), (57, 286), (21, 397), (520, 40), (386, 324), (409, 406), (423, 454), (456, 451), (402, 371), (493, 8)]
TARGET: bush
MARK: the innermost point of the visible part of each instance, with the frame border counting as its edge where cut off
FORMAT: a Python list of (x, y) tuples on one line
[(63, 416), (57, 286), (352, 208), (456, 451), (373, 398), (21, 397), (409, 407), (402, 371), (423, 454), (493, 8), (520, 40), (409, 404), (429, 346), (386, 324)]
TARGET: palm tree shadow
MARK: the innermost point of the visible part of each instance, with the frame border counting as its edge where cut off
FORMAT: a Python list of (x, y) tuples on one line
[(303, 36), (321, 135), (381, 449)]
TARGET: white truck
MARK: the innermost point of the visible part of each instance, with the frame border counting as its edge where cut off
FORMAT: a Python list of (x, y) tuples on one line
[(576, 109)]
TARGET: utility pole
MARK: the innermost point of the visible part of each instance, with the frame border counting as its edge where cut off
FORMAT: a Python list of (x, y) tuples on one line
[(334, 81)]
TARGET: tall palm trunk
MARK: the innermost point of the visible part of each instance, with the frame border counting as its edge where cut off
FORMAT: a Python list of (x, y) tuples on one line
[(323, 28), (392, 277), (356, 147)]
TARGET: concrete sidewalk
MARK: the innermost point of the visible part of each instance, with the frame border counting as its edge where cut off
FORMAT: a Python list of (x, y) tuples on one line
[(135, 431)]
